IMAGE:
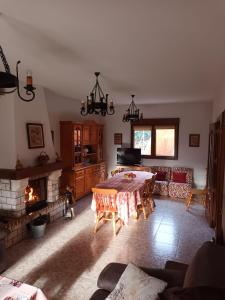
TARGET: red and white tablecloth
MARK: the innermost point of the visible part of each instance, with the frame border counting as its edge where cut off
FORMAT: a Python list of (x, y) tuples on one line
[(11, 289), (129, 192)]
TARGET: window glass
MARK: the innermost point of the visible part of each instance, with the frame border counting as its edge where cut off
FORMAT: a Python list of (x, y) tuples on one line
[(143, 139), (165, 141), (157, 138)]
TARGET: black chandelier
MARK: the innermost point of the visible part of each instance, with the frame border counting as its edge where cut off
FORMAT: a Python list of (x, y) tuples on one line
[(132, 113), (10, 81), (100, 106)]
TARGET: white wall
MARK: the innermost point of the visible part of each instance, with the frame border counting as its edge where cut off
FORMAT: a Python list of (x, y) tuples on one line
[(7, 132), (219, 102), (194, 118), (32, 112), (63, 109), (14, 114)]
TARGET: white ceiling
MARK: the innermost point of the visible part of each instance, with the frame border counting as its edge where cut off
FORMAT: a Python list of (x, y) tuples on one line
[(159, 50)]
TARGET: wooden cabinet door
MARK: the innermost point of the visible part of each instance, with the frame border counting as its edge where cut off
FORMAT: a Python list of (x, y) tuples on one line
[(89, 182), (89, 179), (79, 187), (94, 135), (86, 135)]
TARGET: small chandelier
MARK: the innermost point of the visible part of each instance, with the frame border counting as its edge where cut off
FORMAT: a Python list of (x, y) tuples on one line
[(100, 106), (8, 80), (132, 113)]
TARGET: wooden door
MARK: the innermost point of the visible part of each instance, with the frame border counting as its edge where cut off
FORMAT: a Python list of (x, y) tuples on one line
[(211, 176), (215, 178), (220, 140)]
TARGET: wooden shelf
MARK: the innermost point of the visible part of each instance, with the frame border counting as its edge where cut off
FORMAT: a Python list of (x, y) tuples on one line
[(30, 171)]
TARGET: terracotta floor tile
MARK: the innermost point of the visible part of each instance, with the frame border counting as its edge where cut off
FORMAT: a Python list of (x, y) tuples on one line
[(66, 262)]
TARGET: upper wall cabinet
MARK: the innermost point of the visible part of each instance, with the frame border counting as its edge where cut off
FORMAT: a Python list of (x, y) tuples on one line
[(81, 143), (86, 135)]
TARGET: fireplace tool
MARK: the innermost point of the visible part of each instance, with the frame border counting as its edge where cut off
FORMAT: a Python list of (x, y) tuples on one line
[(68, 211)]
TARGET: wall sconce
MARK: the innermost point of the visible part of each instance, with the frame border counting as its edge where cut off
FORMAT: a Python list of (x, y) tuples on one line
[(8, 80)]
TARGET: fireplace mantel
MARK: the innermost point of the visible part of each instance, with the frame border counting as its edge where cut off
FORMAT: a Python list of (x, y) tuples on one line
[(14, 174)]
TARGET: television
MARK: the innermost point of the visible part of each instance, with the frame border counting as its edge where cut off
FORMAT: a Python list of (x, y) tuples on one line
[(128, 156)]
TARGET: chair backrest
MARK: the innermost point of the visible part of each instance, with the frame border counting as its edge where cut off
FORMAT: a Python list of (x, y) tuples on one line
[(116, 171), (149, 185), (105, 199)]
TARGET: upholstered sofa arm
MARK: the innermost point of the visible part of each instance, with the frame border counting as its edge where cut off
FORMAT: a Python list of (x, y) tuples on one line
[(111, 274), (174, 265)]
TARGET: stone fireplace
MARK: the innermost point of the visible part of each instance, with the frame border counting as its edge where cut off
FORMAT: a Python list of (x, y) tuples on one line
[(26, 193)]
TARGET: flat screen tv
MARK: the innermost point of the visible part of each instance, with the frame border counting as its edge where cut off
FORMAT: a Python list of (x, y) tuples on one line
[(128, 156)]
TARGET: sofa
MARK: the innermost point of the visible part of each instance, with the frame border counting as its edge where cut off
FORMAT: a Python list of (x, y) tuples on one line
[(175, 182), (204, 276)]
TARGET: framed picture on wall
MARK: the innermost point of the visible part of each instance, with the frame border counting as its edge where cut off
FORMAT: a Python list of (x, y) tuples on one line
[(35, 135), (194, 140), (117, 138)]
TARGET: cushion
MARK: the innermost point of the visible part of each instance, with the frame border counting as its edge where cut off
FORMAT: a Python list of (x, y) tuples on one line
[(179, 177), (160, 176), (111, 274), (136, 284), (193, 293)]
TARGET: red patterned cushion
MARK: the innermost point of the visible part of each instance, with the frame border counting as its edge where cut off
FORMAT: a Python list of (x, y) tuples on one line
[(160, 176), (179, 177)]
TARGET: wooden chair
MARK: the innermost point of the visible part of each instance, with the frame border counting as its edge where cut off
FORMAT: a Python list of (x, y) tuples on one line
[(147, 201), (106, 208), (116, 171)]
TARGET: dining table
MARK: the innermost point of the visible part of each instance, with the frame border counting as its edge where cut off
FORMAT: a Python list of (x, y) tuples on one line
[(11, 289), (129, 190)]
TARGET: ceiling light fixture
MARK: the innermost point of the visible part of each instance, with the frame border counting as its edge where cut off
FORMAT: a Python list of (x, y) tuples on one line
[(10, 81), (100, 106), (132, 113)]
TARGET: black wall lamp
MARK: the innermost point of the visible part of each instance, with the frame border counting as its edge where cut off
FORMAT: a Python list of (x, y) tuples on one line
[(10, 81)]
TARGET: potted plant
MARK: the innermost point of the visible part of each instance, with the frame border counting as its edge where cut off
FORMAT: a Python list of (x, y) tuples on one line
[(38, 226)]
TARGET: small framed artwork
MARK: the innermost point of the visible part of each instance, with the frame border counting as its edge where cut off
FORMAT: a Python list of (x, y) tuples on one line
[(35, 135), (117, 138), (194, 140)]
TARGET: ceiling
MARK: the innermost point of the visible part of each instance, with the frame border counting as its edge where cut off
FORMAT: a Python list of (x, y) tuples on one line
[(161, 51)]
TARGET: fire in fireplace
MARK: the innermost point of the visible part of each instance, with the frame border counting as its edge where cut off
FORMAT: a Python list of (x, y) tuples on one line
[(36, 194)]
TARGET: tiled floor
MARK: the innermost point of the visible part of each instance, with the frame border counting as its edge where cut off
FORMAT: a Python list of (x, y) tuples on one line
[(66, 262)]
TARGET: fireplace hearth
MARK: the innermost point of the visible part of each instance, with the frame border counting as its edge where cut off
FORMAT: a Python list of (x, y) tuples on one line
[(36, 194), (27, 193)]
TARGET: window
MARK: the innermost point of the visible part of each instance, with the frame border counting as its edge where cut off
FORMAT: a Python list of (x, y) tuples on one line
[(157, 138), (143, 139)]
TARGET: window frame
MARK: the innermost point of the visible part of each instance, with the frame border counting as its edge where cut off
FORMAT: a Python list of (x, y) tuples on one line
[(173, 122)]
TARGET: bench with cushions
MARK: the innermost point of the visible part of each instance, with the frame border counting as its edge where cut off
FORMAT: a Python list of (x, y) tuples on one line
[(175, 182)]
